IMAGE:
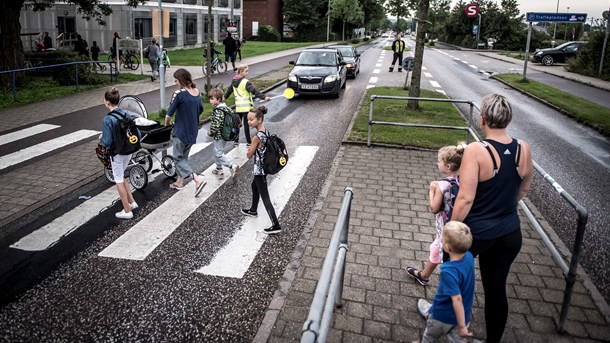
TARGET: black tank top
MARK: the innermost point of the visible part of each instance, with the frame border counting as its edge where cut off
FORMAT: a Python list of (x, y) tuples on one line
[(494, 210)]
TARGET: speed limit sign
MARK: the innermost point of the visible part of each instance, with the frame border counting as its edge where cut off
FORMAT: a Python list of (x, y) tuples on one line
[(472, 10)]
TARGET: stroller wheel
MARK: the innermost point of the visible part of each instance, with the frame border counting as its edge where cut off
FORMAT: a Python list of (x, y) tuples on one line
[(168, 166), (138, 177), (108, 174), (144, 159)]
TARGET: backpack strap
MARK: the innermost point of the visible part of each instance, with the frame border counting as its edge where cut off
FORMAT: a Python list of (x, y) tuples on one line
[(121, 116), (486, 145)]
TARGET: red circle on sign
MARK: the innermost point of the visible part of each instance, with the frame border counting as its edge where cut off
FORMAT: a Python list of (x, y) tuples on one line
[(472, 10)]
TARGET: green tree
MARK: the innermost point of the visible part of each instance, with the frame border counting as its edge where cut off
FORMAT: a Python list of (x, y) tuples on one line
[(348, 11), (305, 16), (400, 9), (437, 16), (11, 48)]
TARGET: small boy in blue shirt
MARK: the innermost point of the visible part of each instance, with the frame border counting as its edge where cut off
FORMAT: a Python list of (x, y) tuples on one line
[(450, 311)]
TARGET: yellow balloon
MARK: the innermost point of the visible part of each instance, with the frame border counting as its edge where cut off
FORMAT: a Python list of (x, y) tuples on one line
[(289, 93)]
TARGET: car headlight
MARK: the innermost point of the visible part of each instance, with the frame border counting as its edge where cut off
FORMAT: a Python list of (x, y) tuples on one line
[(330, 78), (292, 77), (349, 65)]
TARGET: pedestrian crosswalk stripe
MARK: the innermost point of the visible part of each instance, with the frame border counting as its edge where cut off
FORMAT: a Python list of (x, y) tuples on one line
[(48, 235), (30, 131), (234, 259), (144, 237), (43, 148)]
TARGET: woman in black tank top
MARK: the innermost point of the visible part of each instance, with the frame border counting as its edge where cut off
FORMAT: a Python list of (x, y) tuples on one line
[(495, 174)]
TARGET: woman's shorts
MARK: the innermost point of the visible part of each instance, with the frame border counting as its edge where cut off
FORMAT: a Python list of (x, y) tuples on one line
[(119, 164)]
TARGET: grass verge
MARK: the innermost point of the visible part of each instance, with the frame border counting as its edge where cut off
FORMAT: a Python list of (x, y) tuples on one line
[(584, 111), (436, 113)]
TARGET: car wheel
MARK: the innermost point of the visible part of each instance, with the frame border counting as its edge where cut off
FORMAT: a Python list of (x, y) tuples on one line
[(345, 82), (548, 60)]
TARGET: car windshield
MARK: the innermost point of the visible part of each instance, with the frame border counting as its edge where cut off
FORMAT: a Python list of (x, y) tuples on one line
[(317, 58), (346, 52), (564, 45)]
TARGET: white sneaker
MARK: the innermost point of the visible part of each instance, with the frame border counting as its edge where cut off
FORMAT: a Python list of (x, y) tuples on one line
[(423, 307), (234, 170), (123, 215), (133, 205), (218, 172)]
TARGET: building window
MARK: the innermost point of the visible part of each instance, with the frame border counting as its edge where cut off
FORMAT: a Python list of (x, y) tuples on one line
[(237, 4), (172, 26), (190, 26), (142, 27), (223, 3)]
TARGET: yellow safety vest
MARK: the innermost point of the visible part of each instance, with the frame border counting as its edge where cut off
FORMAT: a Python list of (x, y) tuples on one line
[(243, 98)]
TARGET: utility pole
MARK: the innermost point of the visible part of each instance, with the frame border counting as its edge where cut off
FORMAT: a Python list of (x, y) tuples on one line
[(555, 28), (162, 65), (328, 24)]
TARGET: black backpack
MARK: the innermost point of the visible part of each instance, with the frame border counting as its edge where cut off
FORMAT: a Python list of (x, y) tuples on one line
[(276, 155), (230, 124), (126, 135)]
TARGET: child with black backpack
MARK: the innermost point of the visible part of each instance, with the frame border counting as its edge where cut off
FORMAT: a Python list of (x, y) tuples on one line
[(442, 195), (259, 184), (217, 128)]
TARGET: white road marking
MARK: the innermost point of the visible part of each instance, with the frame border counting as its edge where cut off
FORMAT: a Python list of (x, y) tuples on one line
[(464, 62), (435, 84), (234, 259), (473, 66), (373, 79), (441, 91), (30, 131), (423, 68), (378, 65), (43, 148), (428, 75), (370, 86), (376, 71), (48, 235), (144, 237)]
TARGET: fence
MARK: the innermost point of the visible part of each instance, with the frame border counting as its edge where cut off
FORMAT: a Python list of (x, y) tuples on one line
[(568, 272), (316, 327), (113, 74)]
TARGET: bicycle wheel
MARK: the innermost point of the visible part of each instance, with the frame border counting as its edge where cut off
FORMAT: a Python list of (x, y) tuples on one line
[(126, 61), (135, 62), (204, 68), (222, 67)]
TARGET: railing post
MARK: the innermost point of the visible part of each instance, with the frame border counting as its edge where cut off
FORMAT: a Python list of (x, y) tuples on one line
[(14, 84), (76, 74), (368, 140), (345, 246)]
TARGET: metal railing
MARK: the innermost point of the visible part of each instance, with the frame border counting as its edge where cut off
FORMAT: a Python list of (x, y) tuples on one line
[(330, 289), (568, 272), (111, 65)]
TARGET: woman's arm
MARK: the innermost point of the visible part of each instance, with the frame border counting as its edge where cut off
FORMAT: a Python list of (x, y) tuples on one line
[(252, 149), (436, 197), (526, 170), (469, 180)]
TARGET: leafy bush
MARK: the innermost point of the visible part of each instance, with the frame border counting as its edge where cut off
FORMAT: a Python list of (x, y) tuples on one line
[(66, 75), (268, 33), (589, 56), (365, 39), (355, 40)]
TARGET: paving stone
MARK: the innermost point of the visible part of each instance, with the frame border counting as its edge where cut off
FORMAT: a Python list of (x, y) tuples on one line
[(377, 329), (348, 323)]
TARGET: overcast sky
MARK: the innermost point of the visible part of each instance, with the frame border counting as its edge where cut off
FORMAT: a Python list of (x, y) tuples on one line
[(593, 8)]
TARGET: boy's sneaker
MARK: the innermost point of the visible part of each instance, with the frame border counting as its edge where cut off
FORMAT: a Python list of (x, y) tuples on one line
[(123, 215), (218, 172), (416, 274), (248, 212), (234, 170), (133, 205), (423, 307), (273, 230)]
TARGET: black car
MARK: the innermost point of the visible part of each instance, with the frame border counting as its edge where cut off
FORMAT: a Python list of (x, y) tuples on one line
[(351, 57), (318, 71), (560, 54)]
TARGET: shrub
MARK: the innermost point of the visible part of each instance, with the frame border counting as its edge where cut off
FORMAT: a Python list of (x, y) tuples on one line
[(267, 33), (355, 40), (365, 39), (66, 75)]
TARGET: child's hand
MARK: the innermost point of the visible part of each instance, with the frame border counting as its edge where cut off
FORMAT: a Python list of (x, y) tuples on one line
[(463, 331)]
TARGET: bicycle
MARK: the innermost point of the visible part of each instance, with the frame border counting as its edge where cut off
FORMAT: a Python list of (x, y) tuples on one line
[(129, 60), (217, 65)]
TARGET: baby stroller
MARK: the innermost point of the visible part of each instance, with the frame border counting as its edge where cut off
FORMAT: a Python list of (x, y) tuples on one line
[(155, 138)]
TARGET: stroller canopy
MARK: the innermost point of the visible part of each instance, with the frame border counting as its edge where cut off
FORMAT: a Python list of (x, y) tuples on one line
[(133, 105)]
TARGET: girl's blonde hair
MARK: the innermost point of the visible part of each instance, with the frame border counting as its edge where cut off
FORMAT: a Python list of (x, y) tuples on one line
[(242, 68), (452, 155)]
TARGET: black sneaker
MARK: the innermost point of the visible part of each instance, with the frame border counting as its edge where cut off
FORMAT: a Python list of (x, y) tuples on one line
[(273, 230), (248, 212)]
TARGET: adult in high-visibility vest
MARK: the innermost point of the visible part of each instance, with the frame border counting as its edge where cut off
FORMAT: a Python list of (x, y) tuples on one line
[(244, 92), (398, 47)]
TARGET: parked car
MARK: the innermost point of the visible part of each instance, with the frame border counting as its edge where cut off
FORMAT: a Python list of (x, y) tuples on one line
[(560, 54), (318, 71), (351, 57)]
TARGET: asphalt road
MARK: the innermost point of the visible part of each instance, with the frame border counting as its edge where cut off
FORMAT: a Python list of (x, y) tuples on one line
[(577, 157), (73, 294)]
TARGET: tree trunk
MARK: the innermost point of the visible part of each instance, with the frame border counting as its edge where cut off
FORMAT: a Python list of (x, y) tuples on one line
[(11, 48), (414, 89), (343, 32)]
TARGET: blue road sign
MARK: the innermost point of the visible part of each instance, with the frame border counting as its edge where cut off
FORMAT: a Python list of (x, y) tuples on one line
[(557, 17)]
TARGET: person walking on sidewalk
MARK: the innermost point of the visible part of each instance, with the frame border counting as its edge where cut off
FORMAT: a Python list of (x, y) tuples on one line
[(186, 104), (218, 114), (256, 117), (152, 53), (119, 163), (240, 44), (230, 49), (450, 311), (495, 174), (398, 47), (442, 197), (244, 92)]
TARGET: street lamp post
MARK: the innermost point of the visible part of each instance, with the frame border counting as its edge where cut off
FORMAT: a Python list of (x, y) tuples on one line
[(328, 24), (565, 31), (555, 28)]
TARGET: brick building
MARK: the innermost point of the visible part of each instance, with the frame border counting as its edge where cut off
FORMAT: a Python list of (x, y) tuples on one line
[(261, 12)]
